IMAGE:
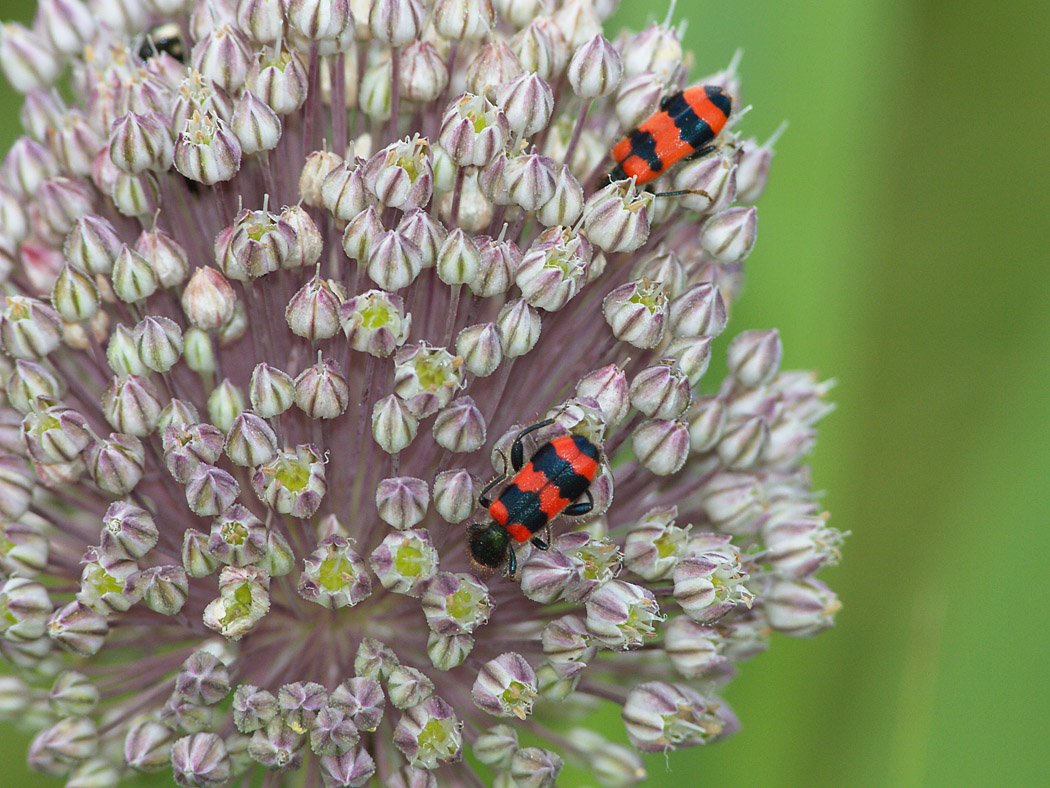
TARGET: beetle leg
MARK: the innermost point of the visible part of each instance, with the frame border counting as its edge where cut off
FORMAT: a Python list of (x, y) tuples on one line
[(700, 152), (580, 507), (483, 498), (539, 544), (517, 450), (512, 564)]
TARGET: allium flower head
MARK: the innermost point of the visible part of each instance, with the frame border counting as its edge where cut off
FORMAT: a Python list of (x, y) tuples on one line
[(282, 280)]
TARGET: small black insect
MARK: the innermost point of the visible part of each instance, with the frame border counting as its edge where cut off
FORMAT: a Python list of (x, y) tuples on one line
[(165, 37)]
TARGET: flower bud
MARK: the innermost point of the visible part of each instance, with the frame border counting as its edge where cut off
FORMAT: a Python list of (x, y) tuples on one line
[(251, 441), (800, 608), (27, 381), (608, 386), (208, 299), (158, 341), (26, 607), (29, 328), (713, 177), (55, 434), (78, 629), (547, 575), (206, 150), (424, 74), (754, 357), (519, 328), (481, 349), (753, 167), (244, 598), (661, 446), (402, 502), (660, 391), (460, 427), (394, 261), (321, 391), (334, 575), (224, 56), (72, 695), (565, 203), (499, 260), (458, 259), (164, 589), (313, 312), (743, 442), (211, 490), (116, 464), (375, 93), (271, 391), (408, 687), (292, 483), (58, 203), (707, 421), (493, 65), (393, 425), (729, 236), (225, 402), (257, 126), (140, 142), (637, 313), (595, 69), (454, 495), (615, 217), (699, 311), (131, 405), (535, 766), (400, 175), (196, 556), (405, 561), (200, 759), (527, 102), (799, 545), (27, 60), (396, 22), (541, 47), (463, 19), (473, 131), (375, 322)]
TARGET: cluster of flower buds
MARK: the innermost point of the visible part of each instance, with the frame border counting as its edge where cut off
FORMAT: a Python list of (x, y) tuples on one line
[(282, 281)]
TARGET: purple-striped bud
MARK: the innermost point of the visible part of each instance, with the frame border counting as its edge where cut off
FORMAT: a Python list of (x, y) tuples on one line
[(595, 69), (473, 131)]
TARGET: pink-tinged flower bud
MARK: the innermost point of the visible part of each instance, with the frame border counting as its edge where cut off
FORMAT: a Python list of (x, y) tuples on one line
[(334, 575), (394, 261), (78, 629), (499, 261), (361, 698), (67, 742), (568, 646), (707, 421), (251, 441), (256, 244), (28, 381), (660, 392), (546, 576), (481, 348), (293, 483), (13, 217), (55, 434), (200, 759), (655, 544), (116, 464), (271, 391), (400, 175), (754, 357), (729, 236), (261, 20), (743, 442), (29, 328), (638, 98), (187, 447), (26, 607), (612, 765), (135, 195), (519, 328), (541, 48), (655, 49), (714, 177), (318, 20), (530, 181), (168, 259), (211, 490), (405, 561), (253, 708), (208, 299), (692, 355), (661, 446), (244, 598), (615, 218), (733, 502), (800, 608), (518, 13), (203, 679), (753, 167), (26, 165), (475, 211), (473, 131), (699, 311), (353, 767), (321, 391), (494, 65), (93, 245), (131, 405), (527, 102), (426, 377), (158, 341), (622, 615), (535, 766), (637, 313), (797, 545), (60, 201), (344, 193), (26, 59), (224, 56), (661, 716), (595, 69), (128, 529), (224, 403), (393, 425), (375, 94), (238, 537), (664, 267), (505, 686), (362, 233), (313, 312), (710, 582), (460, 427), (68, 24), (257, 126), (463, 19), (140, 142), (133, 276), (458, 259), (396, 22), (375, 322), (423, 73), (565, 203), (306, 250), (554, 269), (429, 734), (693, 648), (206, 150), (147, 746), (579, 21), (315, 170), (448, 651), (402, 502), (456, 604), (608, 386), (454, 495), (198, 352), (73, 695), (196, 557), (408, 687)]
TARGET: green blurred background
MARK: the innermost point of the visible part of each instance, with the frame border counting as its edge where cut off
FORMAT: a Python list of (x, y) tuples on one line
[(903, 249)]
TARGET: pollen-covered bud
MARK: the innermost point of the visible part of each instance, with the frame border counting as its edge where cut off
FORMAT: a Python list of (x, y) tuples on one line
[(456, 604), (519, 328), (321, 391), (402, 501), (29, 328), (116, 464), (334, 575), (211, 490), (424, 74), (615, 218), (78, 629), (622, 615), (251, 441), (163, 589), (225, 402), (655, 544), (710, 581), (699, 311), (481, 348), (257, 126), (565, 203), (313, 312), (271, 391), (208, 299), (707, 421), (393, 425), (460, 427), (505, 686), (429, 734), (754, 357), (394, 261), (128, 529), (595, 69), (405, 561), (426, 377), (637, 312), (527, 102), (292, 483), (800, 608), (200, 759), (660, 391), (140, 142), (729, 236), (473, 131), (237, 537), (207, 150), (661, 716), (400, 175), (244, 598)]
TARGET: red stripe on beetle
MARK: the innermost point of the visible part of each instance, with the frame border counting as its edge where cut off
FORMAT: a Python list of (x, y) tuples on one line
[(530, 480), (567, 450), (519, 532), (498, 510)]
